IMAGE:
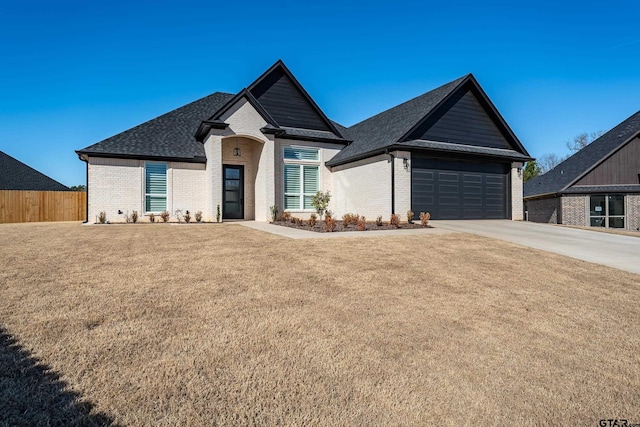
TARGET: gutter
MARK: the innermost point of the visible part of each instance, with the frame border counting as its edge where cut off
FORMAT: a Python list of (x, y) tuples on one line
[(86, 213)]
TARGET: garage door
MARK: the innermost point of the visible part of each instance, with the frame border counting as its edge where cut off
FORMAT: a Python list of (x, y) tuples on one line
[(459, 190)]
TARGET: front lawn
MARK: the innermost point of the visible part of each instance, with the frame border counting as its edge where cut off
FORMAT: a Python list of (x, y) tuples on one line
[(221, 324)]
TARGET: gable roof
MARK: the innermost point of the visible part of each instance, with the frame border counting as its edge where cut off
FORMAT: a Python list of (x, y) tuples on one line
[(393, 127), (284, 104), (169, 136), (15, 175), (560, 178)]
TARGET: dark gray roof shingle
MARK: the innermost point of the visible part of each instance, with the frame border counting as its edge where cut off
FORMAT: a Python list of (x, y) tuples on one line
[(388, 127), (462, 148), (567, 172), (15, 175), (169, 136)]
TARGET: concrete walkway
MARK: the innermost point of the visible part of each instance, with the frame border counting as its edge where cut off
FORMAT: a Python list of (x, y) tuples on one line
[(294, 233), (613, 250)]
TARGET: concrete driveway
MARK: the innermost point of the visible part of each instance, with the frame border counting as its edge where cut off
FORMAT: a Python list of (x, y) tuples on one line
[(613, 250)]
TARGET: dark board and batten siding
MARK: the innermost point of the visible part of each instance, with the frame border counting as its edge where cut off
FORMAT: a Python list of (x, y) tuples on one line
[(462, 120), (286, 104), (622, 168), (460, 190)]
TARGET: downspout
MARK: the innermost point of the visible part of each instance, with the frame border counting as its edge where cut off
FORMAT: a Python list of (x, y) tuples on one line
[(393, 182), (86, 213)]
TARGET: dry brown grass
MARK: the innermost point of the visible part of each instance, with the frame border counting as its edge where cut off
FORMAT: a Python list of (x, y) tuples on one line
[(219, 324)]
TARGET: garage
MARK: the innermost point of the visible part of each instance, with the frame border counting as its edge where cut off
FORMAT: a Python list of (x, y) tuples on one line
[(451, 189)]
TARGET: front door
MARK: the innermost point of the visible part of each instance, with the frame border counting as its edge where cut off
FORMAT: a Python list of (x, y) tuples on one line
[(232, 192)]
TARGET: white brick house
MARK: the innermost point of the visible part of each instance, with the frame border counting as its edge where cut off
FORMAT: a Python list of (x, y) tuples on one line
[(448, 152)]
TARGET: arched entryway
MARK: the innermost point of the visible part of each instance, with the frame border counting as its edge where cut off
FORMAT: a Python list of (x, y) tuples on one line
[(241, 186)]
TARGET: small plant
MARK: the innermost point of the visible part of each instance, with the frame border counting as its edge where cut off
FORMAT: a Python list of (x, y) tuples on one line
[(347, 219), (127, 217), (410, 216), (424, 218), (361, 225), (293, 220), (218, 214), (320, 201), (187, 217), (313, 219), (134, 217), (379, 221), (274, 213), (297, 221), (165, 216), (152, 217), (199, 216), (394, 221), (178, 214), (286, 216), (329, 223), (102, 217)]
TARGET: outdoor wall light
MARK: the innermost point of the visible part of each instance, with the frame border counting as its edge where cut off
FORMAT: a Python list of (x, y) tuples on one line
[(236, 151), (405, 162)]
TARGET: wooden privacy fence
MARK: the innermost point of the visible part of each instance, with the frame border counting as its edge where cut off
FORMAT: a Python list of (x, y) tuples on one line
[(34, 206)]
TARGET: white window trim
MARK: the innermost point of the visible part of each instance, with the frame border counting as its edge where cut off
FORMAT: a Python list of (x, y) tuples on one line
[(144, 188), (302, 163)]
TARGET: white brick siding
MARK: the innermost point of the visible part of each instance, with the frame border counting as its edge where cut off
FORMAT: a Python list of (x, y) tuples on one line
[(517, 205), (187, 187), (402, 184)]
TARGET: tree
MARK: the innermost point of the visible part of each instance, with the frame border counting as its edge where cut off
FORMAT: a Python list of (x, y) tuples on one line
[(531, 170), (80, 187), (582, 140), (549, 161)]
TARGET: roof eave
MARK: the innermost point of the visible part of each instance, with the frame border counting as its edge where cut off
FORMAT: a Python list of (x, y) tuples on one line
[(87, 154)]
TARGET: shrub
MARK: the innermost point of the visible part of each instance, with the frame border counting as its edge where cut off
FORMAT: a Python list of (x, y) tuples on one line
[(329, 223), (178, 214), (361, 224), (297, 221), (165, 216), (187, 217), (199, 216), (395, 221), (424, 218), (127, 217), (348, 219), (410, 216), (320, 201), (313, 219), (293, 220), (102, 217), (274, 213), (152, 217), (218, 214), (379, 221), (134, 216), (286, 216)]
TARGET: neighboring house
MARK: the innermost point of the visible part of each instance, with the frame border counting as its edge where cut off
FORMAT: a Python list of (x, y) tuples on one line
[(599, 186), (15, 175), (448, 152)]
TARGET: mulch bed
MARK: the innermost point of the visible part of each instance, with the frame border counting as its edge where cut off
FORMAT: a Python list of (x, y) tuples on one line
[(371, 226)]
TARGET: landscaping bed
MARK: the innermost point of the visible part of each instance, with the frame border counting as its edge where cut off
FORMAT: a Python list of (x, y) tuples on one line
[(320, 226)]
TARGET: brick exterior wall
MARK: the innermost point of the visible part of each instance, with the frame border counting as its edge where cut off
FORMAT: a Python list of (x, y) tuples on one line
[(575, 210), (543, 210), (632, 211), (402, 177), (517, 206)]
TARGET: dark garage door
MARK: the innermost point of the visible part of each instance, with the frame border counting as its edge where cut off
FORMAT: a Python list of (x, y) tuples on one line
[(459, 190)]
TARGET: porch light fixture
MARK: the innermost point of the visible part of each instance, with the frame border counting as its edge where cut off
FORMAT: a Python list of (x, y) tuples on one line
[(236, 151), (405, 162)]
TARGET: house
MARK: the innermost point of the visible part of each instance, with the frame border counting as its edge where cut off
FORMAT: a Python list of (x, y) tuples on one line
[(448, 152), (15, 175), (599, 186)]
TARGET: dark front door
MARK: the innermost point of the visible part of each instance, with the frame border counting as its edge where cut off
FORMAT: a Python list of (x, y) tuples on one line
[(232, 192)]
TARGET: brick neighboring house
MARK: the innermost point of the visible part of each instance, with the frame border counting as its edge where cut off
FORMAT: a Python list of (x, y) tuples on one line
[(599, 186), (15, 175), (447, 151)]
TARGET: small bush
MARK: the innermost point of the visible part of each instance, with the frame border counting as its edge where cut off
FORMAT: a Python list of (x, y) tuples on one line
[(102, 217), (395, 221), (178, 215), (152, 218), (127, 217), (199, 216), (134, 217), (379, 221), (297, 221), (424, 218), (165, 216), (361, 224), (329, 223), (347, 219), (187, 217), (320, 201), (218, 214), (410, 216), (274, 213), (312, 221), (286, 216)]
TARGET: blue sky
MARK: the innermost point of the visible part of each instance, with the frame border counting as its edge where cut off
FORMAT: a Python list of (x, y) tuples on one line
[(75, 72)]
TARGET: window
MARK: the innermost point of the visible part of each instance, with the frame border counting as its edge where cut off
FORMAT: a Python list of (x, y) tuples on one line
[(155, 193), (301, 177), (607, 211)]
